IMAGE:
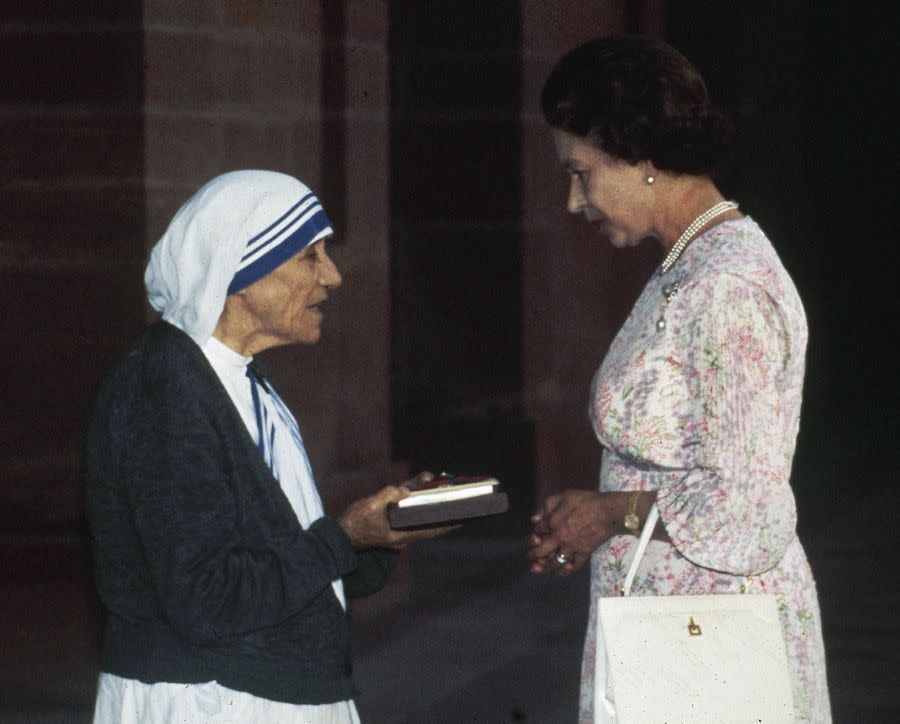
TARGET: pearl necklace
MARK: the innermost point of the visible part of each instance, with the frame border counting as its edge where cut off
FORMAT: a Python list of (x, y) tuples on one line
[(695, 226)]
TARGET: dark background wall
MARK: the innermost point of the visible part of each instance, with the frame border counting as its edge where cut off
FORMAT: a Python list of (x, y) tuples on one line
[(71, 239), (809, 87), (455, 210), (475, 310), (71, 261)]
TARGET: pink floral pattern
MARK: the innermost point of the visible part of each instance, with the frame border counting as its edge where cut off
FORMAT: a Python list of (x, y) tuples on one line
[(705, 410)]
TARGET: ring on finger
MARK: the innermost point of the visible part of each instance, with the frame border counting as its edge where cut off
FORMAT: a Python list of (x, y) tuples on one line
[(561, 558)]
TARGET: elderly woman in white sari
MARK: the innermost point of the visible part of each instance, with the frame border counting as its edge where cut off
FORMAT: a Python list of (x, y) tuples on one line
[(224, 581)]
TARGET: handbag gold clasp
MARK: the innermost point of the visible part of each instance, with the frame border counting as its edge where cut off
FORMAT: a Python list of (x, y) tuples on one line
[(694, 629)]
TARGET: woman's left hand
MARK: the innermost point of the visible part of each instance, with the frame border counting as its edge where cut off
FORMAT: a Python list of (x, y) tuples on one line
[(570, 526)]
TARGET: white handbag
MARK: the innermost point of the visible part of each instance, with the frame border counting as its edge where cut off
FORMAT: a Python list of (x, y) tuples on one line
[(715, 658)]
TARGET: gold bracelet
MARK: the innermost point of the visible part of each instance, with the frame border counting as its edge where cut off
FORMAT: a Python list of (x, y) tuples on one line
[(632, 522)]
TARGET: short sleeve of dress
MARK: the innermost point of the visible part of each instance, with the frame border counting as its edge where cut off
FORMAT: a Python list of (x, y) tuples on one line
[(733, 510)]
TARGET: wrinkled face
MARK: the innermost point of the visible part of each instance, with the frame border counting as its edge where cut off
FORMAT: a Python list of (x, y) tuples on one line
[(284, 304), (610, 192)]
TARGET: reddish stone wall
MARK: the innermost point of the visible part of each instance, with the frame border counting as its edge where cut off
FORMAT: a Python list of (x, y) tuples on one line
[(298, 87), (71, 252), (577, 290), (109, 119), (456, 281), (71, 259)]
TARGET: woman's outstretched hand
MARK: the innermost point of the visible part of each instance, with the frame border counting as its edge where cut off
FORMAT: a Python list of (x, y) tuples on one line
[(366, 522), (570, 526)]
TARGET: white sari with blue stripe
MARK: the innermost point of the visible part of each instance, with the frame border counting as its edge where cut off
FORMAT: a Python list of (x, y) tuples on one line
[(275, 433)]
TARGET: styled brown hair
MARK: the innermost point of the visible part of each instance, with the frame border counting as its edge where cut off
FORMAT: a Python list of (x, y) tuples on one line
[(638, 99)]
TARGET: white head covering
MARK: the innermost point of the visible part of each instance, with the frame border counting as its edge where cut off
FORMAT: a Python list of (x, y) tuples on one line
[(234, 230)]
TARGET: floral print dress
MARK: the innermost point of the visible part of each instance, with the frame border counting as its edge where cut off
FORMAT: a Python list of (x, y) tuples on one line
[(699, 399)]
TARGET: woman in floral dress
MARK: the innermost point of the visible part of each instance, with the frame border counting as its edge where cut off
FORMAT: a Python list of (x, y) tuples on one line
[(697, 402)]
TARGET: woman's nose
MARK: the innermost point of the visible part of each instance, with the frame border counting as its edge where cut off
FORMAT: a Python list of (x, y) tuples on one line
[(576, 196), (330, 276)]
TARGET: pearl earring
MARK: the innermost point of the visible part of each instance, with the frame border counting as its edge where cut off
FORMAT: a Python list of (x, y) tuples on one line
[(651, 179)]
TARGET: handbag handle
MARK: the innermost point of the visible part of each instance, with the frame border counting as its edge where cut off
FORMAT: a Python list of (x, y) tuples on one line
[(646, 534)]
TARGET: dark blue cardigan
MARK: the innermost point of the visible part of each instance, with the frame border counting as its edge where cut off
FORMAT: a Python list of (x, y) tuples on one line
[(200, 561)]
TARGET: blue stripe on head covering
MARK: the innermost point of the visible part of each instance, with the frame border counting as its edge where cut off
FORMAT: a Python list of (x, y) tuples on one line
[(304, 223)]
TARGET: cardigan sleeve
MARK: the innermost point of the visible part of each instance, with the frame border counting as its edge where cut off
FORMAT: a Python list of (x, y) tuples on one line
[(375, 565), (188, 516), (733, 510)]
